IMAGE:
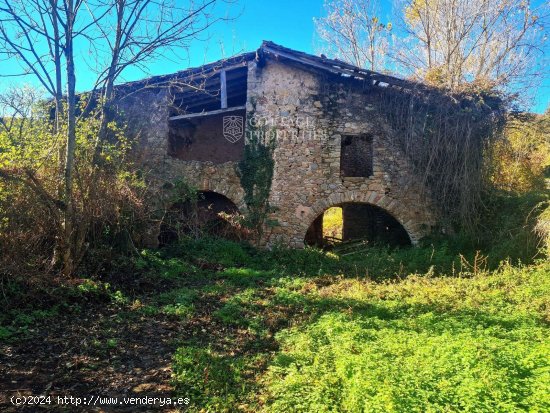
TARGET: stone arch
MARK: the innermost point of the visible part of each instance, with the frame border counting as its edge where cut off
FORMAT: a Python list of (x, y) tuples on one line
[(199, 217), (389, 204), (217, 200), (232, 193)]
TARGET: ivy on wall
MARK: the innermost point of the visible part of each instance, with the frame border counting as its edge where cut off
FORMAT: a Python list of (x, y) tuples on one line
[(255, 172), (446, 138)]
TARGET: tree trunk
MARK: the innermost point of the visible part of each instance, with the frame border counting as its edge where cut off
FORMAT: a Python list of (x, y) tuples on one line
[(58, 98), (69, 253)]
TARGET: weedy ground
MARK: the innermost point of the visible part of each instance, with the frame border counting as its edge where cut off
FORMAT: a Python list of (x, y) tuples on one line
[(234, 328)]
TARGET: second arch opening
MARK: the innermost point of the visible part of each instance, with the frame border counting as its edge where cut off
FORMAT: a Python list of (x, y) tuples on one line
[(356, 221)]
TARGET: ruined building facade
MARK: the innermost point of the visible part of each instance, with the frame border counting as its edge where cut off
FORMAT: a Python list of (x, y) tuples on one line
[(333, 147)]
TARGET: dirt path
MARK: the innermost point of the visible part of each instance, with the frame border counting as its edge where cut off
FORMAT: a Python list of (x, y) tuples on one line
[(99, 351)]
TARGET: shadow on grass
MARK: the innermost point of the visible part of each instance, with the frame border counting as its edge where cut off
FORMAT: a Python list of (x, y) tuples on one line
[(255, 306)]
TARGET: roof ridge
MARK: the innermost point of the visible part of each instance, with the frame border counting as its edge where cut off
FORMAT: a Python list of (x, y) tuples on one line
[(268, 47)]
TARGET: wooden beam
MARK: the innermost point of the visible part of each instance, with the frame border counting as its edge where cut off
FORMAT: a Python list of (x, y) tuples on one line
[(223, 82), (212, 112), (212, 79)]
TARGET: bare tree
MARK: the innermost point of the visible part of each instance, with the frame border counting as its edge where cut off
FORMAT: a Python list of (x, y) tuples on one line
[(42, 35), (352, 31), (142, 30), (487, 43)]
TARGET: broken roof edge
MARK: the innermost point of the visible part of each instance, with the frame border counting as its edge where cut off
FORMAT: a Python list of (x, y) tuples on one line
[(488, 101), (332, 66), (337, 66), (272, 49), (188, 74)]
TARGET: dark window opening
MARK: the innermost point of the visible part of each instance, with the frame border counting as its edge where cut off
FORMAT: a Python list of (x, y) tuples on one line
[(202, 139), (200, 113), (356, 156)]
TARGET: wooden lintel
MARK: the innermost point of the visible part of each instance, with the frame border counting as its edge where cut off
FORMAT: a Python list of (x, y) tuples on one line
[(223, 83), (210, 113)]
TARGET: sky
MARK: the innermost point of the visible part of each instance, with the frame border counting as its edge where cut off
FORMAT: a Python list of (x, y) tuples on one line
[(285, 22)]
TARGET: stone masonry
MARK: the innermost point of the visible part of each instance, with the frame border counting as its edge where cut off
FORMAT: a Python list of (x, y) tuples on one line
[(307, 177), (310, 113)]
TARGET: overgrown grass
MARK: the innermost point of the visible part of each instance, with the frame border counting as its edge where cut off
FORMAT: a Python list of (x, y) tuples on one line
[(423, 344), (21, 311), (451, 325), (384, 330)]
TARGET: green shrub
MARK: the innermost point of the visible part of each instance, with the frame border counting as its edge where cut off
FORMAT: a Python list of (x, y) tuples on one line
[(177, 302), (211, 250), (509, 227)]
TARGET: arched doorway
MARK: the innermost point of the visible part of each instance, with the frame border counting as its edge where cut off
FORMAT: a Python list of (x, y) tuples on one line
[(356, 221), (210, 213)]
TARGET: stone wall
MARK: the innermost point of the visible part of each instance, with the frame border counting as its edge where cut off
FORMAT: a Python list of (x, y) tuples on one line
[(309, 113), (146, 113)]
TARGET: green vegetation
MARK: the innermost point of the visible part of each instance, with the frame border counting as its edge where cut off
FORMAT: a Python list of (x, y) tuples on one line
[(521, 161), (441, 327), (106, 212), (423, 344), (311, 334), (255, 171), (332, 223)]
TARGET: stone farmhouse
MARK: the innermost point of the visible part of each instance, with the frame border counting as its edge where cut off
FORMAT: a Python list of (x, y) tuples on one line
[(333, 146)]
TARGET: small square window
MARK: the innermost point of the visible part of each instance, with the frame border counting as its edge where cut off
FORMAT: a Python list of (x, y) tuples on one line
[(356, 156)]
